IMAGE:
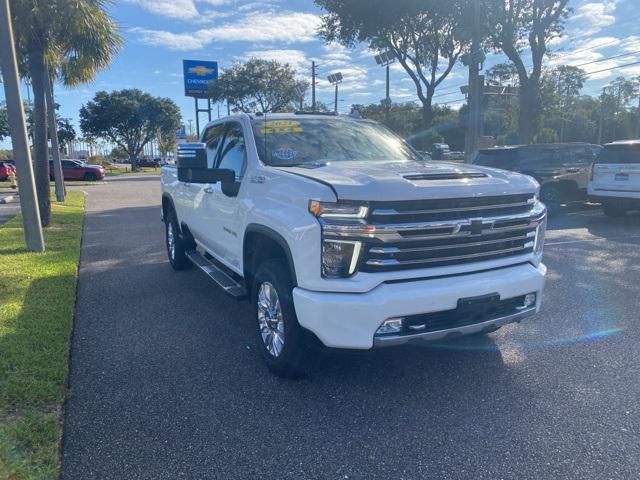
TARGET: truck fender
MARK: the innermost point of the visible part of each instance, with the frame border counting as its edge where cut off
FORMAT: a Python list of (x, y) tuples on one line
[(278, 239)]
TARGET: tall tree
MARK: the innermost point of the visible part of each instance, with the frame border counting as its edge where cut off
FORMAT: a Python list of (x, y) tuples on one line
[(560, 89), (76, 36), (525, 27), (4, 122), (129, 118), (258, 86), (426, 36)]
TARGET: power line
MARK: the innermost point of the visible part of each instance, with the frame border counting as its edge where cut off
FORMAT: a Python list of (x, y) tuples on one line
[(612, 68)]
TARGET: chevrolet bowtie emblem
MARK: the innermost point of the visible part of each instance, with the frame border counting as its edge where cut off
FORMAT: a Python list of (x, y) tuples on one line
[(478, 226), (201, 71)]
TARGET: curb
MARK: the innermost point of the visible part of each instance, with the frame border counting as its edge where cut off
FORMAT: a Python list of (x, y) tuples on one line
[(7, 199)]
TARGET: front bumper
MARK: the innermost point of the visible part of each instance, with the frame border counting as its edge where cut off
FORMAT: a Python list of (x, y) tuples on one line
[(350, 320)]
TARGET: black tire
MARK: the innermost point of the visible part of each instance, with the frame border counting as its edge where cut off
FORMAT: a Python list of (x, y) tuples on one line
[(176, 245), (292, 360), (613, 210), (90, 177), (551, 196)]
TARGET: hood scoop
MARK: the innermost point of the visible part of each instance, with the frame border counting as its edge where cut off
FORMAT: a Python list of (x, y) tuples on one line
[(444, 176)]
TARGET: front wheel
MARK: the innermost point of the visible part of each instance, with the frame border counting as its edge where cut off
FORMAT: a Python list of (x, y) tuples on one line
[(551, 196), (90, 177), (281, 338)]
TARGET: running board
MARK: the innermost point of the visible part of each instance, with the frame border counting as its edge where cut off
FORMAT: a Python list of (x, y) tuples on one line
[(228, 284)]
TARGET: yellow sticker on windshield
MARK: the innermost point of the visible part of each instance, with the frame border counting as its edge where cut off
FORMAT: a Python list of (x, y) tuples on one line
[(281, 126)]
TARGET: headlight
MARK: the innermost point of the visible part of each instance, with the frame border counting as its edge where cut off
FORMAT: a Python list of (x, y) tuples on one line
[(538, 246), (339, 258), (337, 210)]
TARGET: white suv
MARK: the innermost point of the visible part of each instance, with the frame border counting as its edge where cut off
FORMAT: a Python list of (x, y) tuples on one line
[(615, 178)]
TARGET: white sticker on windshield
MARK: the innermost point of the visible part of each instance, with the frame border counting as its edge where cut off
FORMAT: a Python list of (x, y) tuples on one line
[(284, 153)]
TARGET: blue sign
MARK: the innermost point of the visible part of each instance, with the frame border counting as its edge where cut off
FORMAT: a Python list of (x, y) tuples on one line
[(197, 75)]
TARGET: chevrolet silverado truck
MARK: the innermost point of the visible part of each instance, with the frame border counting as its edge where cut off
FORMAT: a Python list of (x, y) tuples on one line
[(338, 231)]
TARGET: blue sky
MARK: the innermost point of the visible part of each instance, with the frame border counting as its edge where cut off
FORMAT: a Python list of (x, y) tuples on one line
[(158, 34)]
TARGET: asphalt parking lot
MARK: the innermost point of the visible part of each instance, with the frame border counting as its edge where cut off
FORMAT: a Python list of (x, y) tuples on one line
[(166, 380)]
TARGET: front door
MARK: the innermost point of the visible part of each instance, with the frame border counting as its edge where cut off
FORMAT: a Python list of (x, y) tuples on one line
[(224, 209)]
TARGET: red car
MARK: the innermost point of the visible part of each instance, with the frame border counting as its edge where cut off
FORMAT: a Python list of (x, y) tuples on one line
[(77, 170), (6, 169)]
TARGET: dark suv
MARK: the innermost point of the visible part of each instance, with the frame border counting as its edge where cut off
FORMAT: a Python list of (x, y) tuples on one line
[(562, 169)]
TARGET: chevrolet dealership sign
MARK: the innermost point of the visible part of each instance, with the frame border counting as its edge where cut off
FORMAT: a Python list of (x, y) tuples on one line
[(197, 75)]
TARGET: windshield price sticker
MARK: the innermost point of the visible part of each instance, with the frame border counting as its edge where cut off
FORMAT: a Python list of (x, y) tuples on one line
[(282, 126)]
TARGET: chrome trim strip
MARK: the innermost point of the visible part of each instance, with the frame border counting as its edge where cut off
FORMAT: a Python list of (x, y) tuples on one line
[(391, 211), (388, 262), (456, 331), (392, 250)]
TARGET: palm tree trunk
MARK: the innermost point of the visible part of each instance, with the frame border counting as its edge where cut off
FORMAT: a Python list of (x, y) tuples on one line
[(40, 147), (53, 134)]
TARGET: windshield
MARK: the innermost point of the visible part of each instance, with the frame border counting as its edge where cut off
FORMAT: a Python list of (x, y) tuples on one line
[(620, 154), (310, 141)]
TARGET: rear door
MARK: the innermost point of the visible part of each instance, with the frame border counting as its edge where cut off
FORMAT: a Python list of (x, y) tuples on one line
[(618, 169)]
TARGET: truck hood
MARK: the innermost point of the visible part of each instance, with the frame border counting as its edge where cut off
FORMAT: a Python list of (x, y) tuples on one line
[(393, 180)]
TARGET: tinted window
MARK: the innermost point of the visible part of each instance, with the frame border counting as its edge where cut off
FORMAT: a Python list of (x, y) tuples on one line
[(68, 164), (232, 153), (620, 154), (539, 158), (296, 141), (212, 138), (496, 158)]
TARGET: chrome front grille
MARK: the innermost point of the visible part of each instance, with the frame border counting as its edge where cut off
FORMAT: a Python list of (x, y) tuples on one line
[(436, 233)]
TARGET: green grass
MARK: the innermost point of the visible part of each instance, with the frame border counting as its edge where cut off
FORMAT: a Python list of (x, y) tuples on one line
[(37, 295)]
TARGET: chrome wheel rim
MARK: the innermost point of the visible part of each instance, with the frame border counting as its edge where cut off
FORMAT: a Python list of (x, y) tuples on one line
[(171, 241), (270, 319)]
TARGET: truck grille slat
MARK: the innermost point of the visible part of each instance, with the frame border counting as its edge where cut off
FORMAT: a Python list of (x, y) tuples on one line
[(435, 233)]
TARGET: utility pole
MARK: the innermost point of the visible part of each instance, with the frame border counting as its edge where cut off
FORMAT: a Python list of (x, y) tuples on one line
[(638, 113), (601, 115), (313, 86), (475, 58), (53, 134), (21, 154)]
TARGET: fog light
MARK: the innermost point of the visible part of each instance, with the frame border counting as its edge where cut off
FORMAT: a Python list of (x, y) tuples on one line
[(390, 326), (529, 300)]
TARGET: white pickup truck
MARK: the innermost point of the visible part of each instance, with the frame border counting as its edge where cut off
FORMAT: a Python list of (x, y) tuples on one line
[(335, 228)]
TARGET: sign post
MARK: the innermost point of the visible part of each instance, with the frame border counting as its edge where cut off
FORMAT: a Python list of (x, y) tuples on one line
[(197, 76)]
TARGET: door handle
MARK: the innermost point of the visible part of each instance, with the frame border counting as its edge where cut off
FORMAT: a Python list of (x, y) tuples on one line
[(208, 190)]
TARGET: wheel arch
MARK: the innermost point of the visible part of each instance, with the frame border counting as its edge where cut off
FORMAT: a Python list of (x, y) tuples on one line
[(272, 245)]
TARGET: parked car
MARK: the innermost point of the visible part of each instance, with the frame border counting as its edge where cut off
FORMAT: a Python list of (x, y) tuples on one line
[(78, 170), (6, 169), (562, 169), (615, 178), (149, 163), (454, 156), (337, 230)]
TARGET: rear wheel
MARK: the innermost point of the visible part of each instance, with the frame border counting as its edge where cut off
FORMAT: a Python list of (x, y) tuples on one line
[(176, 246), (281, 338), (551, 196), (613, 210)]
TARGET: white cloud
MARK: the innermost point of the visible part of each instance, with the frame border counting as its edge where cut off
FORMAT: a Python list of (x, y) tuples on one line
[(594, 16), (178, 9), (287, 27), (296, 58)]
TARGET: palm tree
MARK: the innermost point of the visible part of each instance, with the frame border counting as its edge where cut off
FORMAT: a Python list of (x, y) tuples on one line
[(71, 39)]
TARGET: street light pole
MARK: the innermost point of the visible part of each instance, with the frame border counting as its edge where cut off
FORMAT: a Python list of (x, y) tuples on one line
[(21, 154), (385, 59), (335, 79)]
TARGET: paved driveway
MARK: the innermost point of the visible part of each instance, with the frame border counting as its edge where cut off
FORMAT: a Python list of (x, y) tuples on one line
[(166, 380)]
